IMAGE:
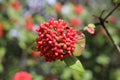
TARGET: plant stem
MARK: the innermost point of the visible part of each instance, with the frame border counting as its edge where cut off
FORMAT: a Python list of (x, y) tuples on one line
[(110, 37), (102, 23), (111, 11)]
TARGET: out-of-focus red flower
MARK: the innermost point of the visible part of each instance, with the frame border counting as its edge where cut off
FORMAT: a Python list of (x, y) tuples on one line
[(29, 23), (35, 54), (78, 9), (75, 22), (112, 19), (58, 7), (16, 5), (22, 76), (56, 40), (1, 30)]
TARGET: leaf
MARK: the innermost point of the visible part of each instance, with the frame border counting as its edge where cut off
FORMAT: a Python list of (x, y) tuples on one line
[(2, 53), (80, 45), (75, 64), (103, 59), (17, 16), (1, 68)]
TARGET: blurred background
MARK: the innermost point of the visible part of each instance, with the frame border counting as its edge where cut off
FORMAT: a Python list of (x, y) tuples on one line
[(19, 20)]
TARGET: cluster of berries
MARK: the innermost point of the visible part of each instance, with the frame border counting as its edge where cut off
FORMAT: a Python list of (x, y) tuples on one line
[(56, 40)]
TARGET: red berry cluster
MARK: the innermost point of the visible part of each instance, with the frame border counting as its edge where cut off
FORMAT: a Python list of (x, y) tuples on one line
[(56, 40)]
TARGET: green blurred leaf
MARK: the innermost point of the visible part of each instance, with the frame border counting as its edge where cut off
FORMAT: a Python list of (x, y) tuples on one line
[(15, 15), (75, 64), (6, 25), (66, 75), (39, 19), (2, 53), (50, 10), (1, 68), (103, 59), (88, 75), (115, 75), (37, 76), (87, 54), (31, 62)]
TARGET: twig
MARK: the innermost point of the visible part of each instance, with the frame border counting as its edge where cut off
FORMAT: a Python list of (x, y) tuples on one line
[(102, 22), (102, 13), (111, 12), (103, 25)]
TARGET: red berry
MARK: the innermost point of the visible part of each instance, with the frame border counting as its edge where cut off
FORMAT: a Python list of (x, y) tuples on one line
[(22, 76), (56, 40)]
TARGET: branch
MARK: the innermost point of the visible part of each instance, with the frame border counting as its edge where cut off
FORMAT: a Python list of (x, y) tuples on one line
[(102, 23), (110, 37), (111, 11)]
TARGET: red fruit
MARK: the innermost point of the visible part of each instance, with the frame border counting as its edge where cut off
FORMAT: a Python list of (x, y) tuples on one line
[(1, 30), (35, 54), (58, 7), (16, 5), (22, 76), (112, 19), (75, 22), (56, 40), (29, 24), (78, 9)]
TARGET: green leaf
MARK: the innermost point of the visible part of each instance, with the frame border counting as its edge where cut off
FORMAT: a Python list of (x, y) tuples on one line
[(66, 75), (1, 68), (88, 75), (2, 53), (103, 59), (75, 64), (15, 15)]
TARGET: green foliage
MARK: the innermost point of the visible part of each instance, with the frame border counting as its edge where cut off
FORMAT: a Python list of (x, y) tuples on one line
[(103, 60), (116, 75), (17, 43), (75, 64), (1, 68)]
